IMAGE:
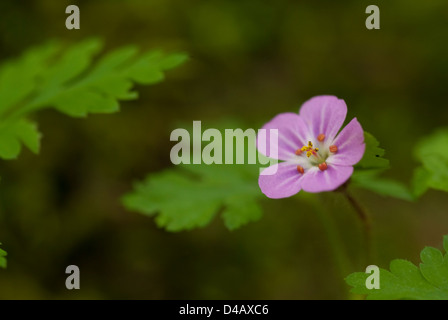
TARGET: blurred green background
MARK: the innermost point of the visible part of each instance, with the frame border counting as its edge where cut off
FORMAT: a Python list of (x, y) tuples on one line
[(250, 60)]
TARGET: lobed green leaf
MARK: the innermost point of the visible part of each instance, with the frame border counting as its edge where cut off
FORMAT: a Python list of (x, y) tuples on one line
[(73, 81), (190, 196), (368, 170), (373, 156), (407, 281)]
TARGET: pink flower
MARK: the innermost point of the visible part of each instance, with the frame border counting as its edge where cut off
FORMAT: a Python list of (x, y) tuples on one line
[(316, 158)]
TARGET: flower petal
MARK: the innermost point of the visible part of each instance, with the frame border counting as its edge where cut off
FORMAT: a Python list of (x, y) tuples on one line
[(315, 180), (350, 143), (292, 135), (280, 180), (324, 114)]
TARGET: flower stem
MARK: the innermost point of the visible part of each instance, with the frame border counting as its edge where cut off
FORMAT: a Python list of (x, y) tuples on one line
[(365, 220), (335, 245), (334, 239)]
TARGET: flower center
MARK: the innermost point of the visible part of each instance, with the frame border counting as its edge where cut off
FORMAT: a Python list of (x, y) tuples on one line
[(310, 150), (316, 156)]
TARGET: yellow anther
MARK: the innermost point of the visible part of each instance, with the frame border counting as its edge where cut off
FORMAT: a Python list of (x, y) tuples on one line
[(309, 149)]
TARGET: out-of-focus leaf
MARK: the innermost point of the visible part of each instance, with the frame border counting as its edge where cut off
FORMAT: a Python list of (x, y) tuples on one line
[(3, 262), (370, 180), (420, 181), (432, 152), (69, 80), (19, 78), (14, 134)]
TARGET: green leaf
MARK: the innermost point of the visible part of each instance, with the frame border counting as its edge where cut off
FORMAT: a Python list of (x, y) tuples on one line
[(407, 281), (3, 262), (190, 196), (367, 172), (19, 78), (434, 267), (420, 181), (445, 243), (240, 210), (72, 81), (373, 156), (432, 152), (14, 134), (370, 180)]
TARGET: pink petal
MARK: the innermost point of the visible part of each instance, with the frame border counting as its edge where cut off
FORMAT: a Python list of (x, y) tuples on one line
[(284, 183), (315, 180), (292, 135), (324, 114), (350, 143)]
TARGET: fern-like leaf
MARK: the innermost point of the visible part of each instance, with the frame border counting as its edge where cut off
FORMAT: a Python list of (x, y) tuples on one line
[(70, 80)]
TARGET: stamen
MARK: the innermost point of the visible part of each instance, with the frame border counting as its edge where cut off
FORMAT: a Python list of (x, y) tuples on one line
[(321, 137), (309, 150), (298, 152), (323, 166), (300, 169), (333, 149)]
